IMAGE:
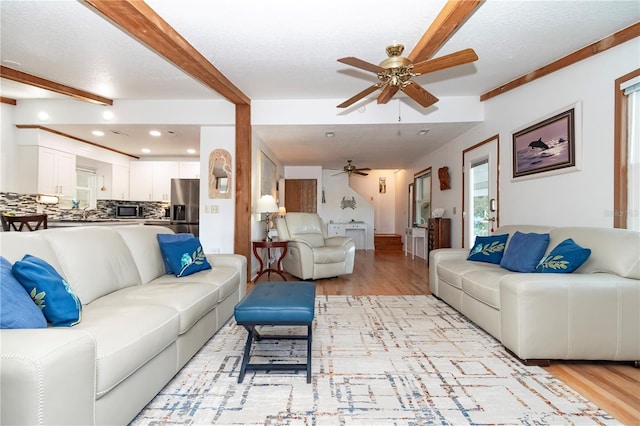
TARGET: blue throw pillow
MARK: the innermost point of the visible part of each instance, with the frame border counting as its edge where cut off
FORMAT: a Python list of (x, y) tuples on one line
[(488, 249), (186, 257), (17, 310), (60, 305), (565, 258), (524, 251), (170, 238)]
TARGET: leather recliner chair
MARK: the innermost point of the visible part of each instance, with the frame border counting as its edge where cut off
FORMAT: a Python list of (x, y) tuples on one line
[(311, 254)]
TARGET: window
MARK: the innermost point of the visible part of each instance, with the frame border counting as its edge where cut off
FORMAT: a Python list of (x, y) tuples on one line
[(86, 188), (422, 194), (626, 211)]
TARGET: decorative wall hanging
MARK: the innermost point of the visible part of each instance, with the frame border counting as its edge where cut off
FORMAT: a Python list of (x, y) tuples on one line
[(545, 146), (220, 174), (382, 184), (267, 176), (348, 203), (443, 175)]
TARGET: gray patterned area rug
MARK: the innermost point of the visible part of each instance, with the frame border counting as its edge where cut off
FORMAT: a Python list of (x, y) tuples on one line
[(377, 360)]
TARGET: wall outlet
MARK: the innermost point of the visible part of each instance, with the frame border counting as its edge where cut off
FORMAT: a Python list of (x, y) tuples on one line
[(454, 210), (207, 208)]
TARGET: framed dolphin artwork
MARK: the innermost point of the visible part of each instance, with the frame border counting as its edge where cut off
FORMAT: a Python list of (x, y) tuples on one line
[(545, 146)]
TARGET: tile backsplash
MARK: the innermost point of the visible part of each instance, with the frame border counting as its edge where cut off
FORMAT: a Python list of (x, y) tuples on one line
[(24, 204)]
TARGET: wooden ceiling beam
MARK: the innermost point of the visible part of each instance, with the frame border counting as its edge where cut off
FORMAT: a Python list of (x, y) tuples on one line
[(9, 101), (613, 40), (448, 21), (141, 22), (32, 80)]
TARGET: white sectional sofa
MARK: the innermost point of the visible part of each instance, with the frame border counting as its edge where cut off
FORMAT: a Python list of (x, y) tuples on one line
[(139, 325), (590, 314)]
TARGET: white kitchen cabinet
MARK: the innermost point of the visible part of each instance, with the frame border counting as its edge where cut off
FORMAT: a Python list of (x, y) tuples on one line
[(189, 169), (47, 171), (163, 172), (151, 180), (120, 182), (141, 180)]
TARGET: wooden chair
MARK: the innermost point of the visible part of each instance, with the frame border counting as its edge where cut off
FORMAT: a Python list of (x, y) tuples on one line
[(18, 223)]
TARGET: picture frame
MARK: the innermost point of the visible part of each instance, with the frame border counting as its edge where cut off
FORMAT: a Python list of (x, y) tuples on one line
[(549, 145), (268, 171)]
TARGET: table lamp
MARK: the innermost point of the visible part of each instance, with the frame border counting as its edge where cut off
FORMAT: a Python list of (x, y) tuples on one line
[(267, 205)]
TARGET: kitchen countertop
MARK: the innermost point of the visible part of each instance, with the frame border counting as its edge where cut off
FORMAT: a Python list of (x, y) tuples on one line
[(61, 223)]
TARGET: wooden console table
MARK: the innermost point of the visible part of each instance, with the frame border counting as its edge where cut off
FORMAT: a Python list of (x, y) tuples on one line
[(268, 245)]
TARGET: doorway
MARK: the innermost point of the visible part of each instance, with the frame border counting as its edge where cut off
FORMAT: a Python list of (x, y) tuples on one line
[(480, 204), (300, 195)]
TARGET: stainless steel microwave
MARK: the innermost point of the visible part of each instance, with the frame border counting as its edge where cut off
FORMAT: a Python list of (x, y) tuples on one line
[(126, 211)]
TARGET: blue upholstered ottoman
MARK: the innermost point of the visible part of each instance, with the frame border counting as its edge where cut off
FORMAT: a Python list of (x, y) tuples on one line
[(277, 303)]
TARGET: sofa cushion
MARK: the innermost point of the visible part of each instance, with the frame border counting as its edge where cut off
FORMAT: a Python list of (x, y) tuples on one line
[(484, 285), (94, 259), (488, 249), (225, 278), (192, 300), (566, 257), (614, 251), (17, 309), (127, 336), (185, 257), (142, 242), (163, 240), (60, 305), (452, 271), (524, 251)]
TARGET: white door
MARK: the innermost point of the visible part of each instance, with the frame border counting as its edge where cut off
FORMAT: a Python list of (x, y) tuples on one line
[(481, 203)]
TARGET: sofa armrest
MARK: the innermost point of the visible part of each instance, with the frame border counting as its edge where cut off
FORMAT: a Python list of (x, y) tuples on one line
[(235, 261), (47, 376), (571, 316), (439, 255), (337, 241)]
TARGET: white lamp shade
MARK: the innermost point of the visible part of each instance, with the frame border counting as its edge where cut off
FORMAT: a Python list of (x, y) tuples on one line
[(266, 204)]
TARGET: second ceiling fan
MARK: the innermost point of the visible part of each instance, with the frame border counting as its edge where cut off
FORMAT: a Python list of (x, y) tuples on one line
[(396, 72)]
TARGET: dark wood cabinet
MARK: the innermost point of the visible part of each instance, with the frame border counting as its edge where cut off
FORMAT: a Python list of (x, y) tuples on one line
[(439, 233)]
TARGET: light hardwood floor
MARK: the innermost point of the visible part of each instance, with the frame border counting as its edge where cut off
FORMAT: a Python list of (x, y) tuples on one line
[(614, 387)]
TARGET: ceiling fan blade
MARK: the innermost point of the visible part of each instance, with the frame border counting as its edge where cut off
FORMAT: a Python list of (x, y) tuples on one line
[(339, 173), (362, 169), (360, 173), (359, 63), (450, 18), (359, 96), (418, 94), (447, 61), (387, 93)]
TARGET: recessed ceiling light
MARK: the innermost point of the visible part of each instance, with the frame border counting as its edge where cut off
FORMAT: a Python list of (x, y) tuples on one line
[(191, 151), (329, 134), (155, 133), (97, 133), (423, 132), (145, 150), (43, 115), (107, 115)]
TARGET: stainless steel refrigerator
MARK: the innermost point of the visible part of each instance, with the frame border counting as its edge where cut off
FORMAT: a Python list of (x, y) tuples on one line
[(185, 206)]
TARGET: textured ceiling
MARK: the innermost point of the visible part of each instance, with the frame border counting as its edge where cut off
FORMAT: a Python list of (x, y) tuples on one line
[(286, 49)]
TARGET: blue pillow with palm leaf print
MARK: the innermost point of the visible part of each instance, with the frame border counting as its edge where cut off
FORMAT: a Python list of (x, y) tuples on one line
[(186, 257), (170, 238), (565, 258), (60, 305), (488, 249)]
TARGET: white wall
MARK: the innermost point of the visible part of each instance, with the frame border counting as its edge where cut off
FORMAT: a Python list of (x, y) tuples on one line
[(581, 198), (217, 229)]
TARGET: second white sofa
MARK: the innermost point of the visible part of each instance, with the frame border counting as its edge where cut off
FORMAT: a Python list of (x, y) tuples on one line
[(590, 314), (139, 325)]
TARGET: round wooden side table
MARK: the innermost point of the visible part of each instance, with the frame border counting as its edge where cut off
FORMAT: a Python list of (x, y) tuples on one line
[(268, 245)]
